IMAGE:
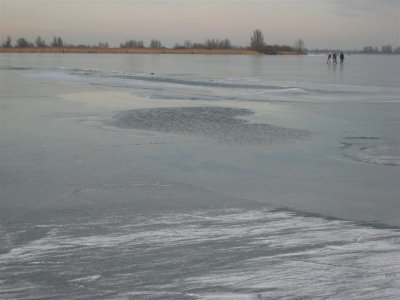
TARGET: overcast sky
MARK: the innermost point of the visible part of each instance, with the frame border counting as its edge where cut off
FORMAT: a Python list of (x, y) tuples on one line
[(345, 24)]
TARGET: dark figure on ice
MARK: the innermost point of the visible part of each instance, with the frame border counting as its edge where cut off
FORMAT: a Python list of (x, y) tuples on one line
[(334, 56), (341, 57), (329, 58)]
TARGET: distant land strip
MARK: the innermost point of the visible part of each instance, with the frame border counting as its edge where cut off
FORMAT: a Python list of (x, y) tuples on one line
[(232, 51)]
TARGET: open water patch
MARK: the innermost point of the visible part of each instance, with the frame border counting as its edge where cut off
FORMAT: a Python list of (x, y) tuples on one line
[(219, 123)]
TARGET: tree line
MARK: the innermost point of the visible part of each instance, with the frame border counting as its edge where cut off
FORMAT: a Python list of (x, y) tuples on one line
[(383, 49), (207, 44), (257, 43), (39, 42)]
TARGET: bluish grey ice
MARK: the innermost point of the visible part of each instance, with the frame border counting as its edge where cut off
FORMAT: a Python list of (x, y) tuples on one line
[(199, 177)]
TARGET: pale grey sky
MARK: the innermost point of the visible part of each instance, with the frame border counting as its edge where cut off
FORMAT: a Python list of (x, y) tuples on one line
[(345, 24)]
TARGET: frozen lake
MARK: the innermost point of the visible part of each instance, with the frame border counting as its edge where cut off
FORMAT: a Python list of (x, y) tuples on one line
[(199, 177)]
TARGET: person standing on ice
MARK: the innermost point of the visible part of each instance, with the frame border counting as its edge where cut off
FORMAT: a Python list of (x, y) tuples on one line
[(334, 56), (341, 58), (329, 58)]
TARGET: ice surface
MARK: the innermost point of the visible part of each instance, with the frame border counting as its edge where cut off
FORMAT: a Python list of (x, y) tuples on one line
[(207, 254), (121, 184)]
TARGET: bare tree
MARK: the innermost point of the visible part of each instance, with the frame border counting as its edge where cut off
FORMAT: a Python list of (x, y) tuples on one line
[(40, 42), (155, 44), (178, 46), (208, 44), (57, 42), (132, 44), (103, 45), (226, 44), (23, 43), (7, 43), (257, 41), (217, 44), (299, 46)]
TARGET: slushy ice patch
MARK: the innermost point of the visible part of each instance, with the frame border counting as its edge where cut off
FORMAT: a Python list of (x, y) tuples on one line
[(370, 150), (218, 123)]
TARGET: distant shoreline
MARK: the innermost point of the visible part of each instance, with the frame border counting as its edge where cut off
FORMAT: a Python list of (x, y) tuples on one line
[(135, 51)]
